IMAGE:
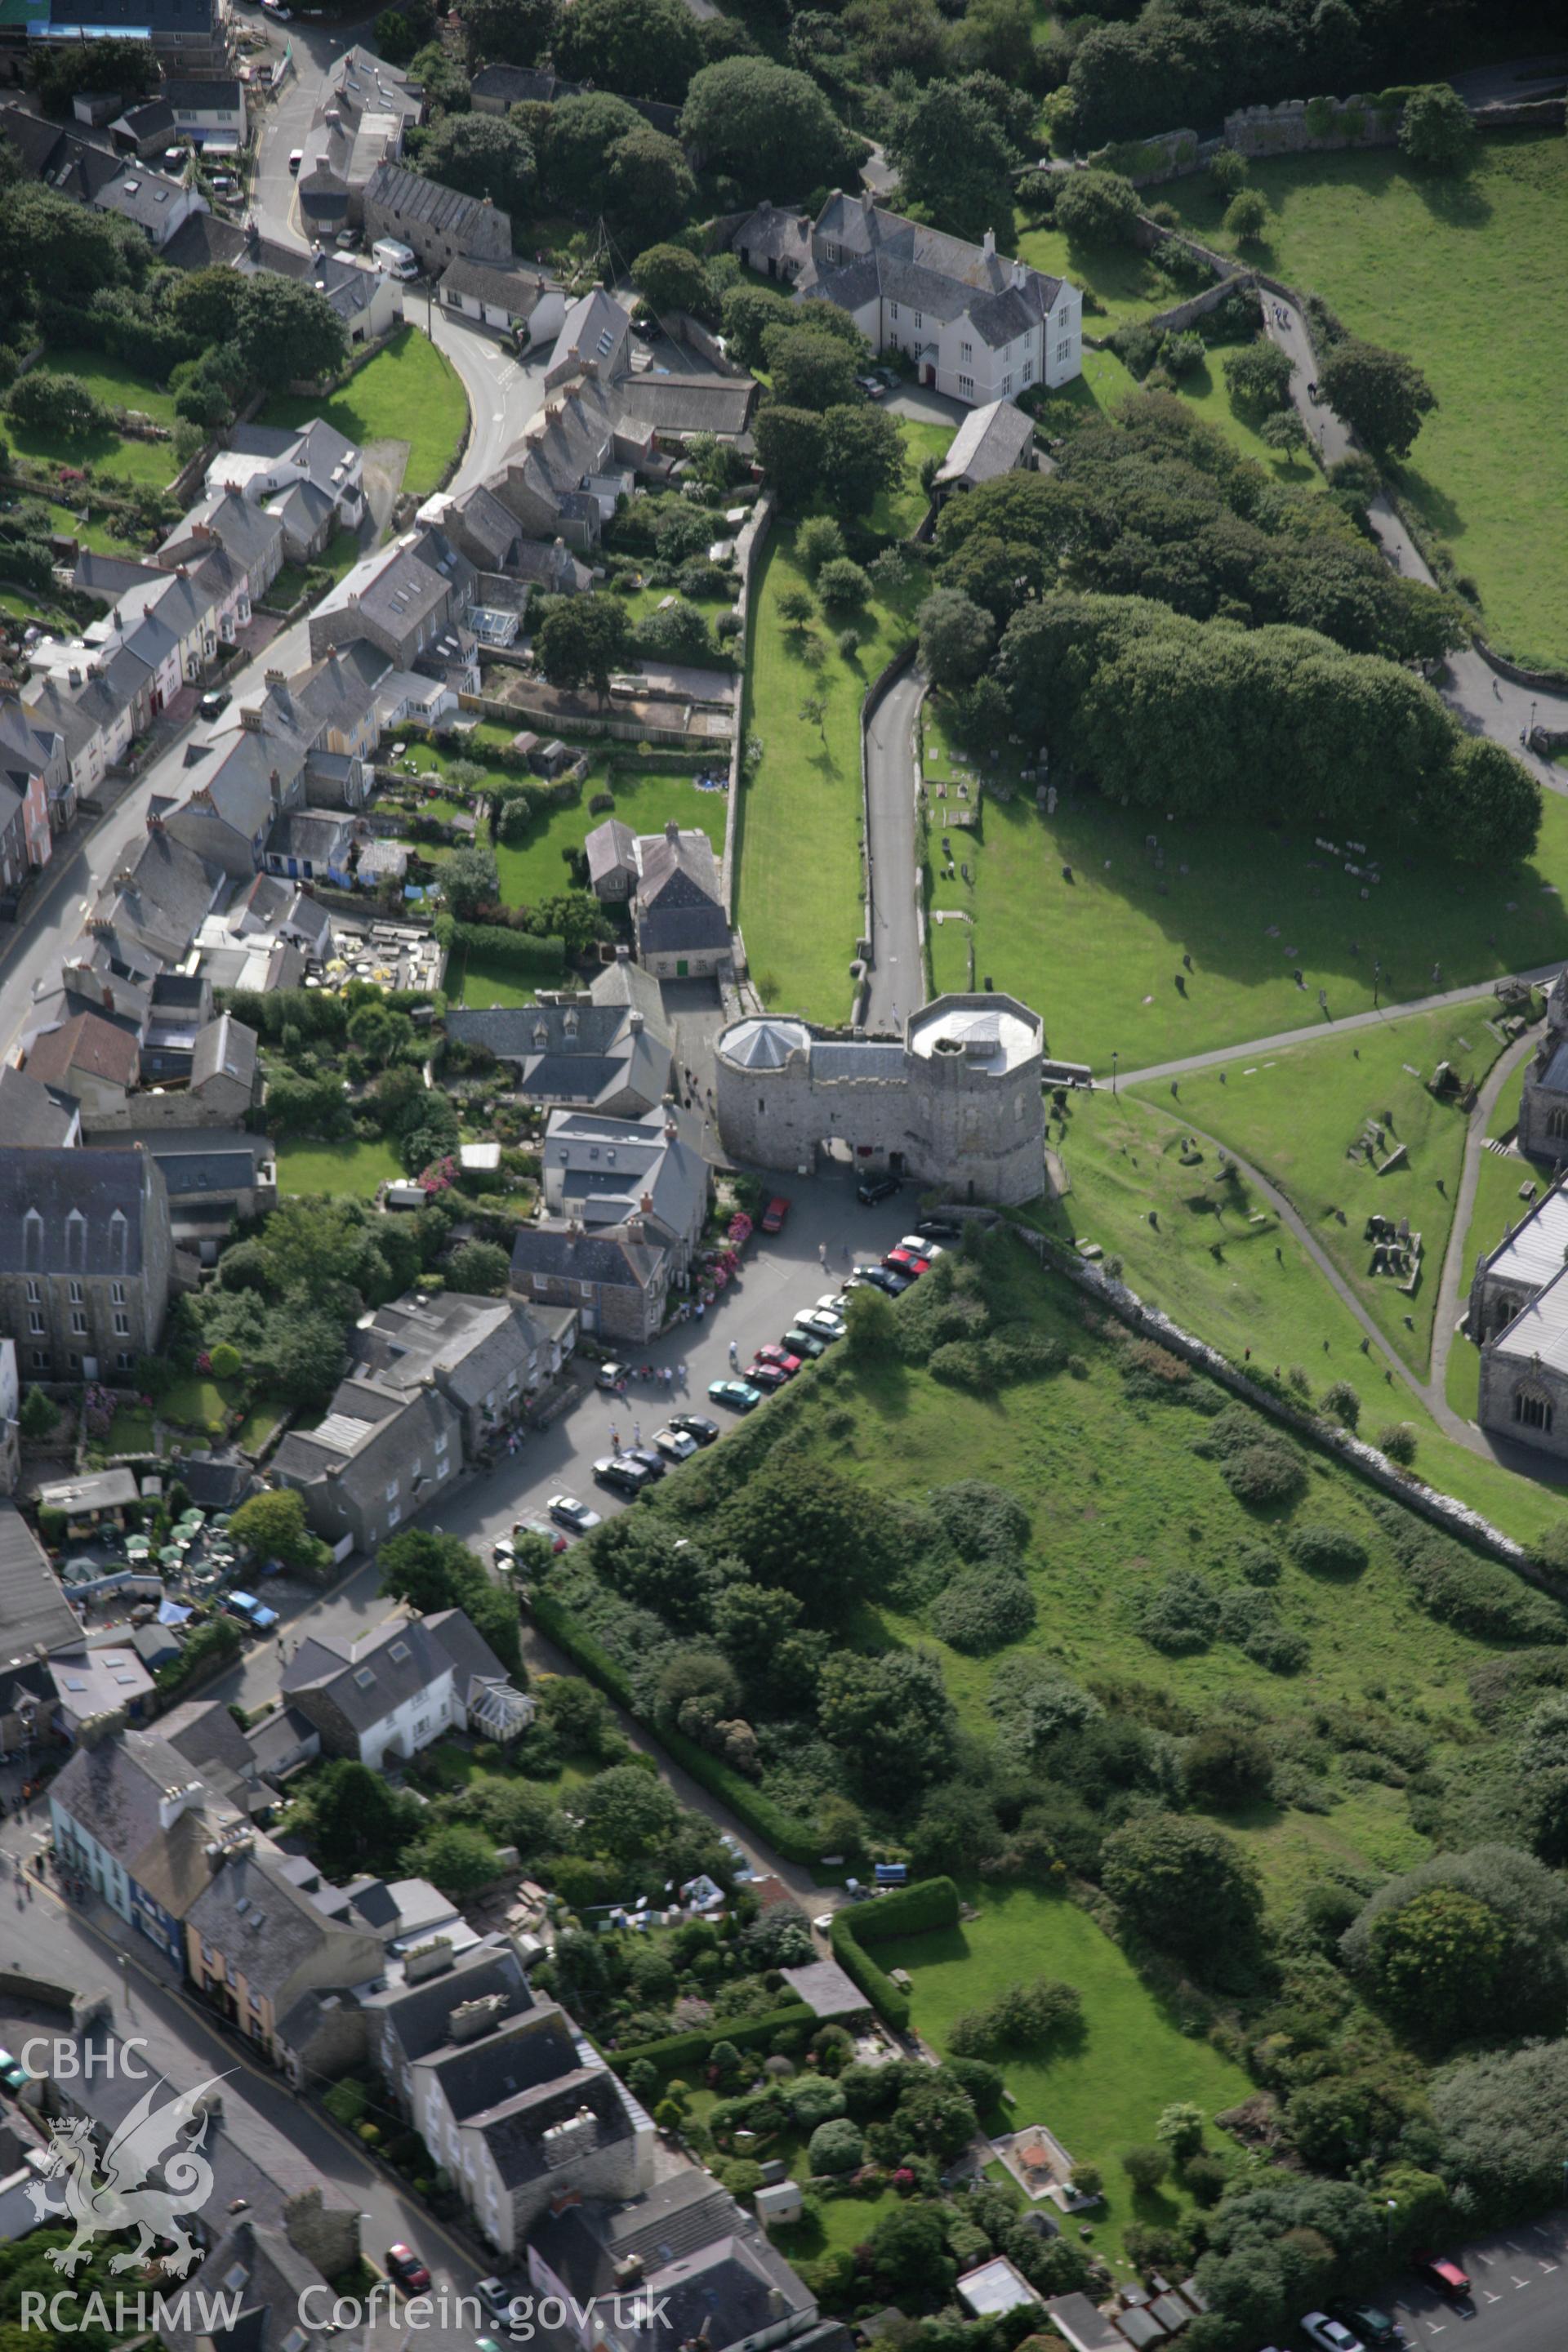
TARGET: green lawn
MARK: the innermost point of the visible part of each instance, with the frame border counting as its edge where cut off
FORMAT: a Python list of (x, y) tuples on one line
[(1133, 2061), (409, 391), (1120, 279), (1255, 1105), (800, 899), (153, 462), (359, 1167), (196, 1402), (1101, 955), (1190, 1244), (1403, 259), (898, 512), (1496, 1206), (537, 870), (480, 979)]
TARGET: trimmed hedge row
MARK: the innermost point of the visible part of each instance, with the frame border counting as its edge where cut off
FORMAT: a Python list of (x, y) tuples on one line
[(676, 2052), (785, 1833), (914, 1910), (538, 957)]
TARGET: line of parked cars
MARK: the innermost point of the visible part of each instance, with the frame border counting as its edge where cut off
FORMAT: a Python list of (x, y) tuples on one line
[(1363, 2327)]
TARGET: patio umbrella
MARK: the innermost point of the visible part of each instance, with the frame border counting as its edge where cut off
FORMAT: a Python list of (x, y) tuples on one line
[(171, 1556), (79, 1569), (137, 1547), (193, 1517)]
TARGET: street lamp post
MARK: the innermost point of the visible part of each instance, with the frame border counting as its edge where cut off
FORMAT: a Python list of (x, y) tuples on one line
[(1115, 1058)]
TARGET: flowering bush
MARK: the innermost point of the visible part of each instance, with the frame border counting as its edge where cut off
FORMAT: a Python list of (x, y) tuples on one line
[(439, 1177), (97, 1406)]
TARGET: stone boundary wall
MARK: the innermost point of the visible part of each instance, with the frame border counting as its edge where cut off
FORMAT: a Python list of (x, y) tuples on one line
[(1304, 126), (1455, 1518), (1545, 681), (749, 546)]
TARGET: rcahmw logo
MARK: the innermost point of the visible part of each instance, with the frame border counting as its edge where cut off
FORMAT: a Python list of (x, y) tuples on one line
[(69, 2313)]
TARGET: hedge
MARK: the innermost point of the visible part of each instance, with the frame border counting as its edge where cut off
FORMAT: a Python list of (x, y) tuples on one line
[(541, 957), (914, 1910), (786, 1833), (677, 2053)]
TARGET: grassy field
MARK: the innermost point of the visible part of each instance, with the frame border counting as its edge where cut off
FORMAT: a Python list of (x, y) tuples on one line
[(900, 511), (1256, 1106), (1101, 955), (799, 902), (152, 462), (409, 391), (1120, 279), (1133, 2061), (1217, 1259), (357, 1168), (1402, 258), (1497, 1205), (537, 870)]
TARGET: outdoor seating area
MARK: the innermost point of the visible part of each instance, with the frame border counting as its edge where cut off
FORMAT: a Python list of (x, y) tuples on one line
[(1041, 2166)]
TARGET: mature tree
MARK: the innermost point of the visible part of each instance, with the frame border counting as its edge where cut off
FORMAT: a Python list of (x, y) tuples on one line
[(1382, 395), (629, 1812), (908, 2253), (751, 1621), (1229, 171), (208, 304), (1186, 1887), (790, 447), (1258, 378), (997, 36), (863, 454), (1181, 2130), (671, 281), (583, 640), (579, 134), (428, 1569), (646, 48), (578, 1714), (1097, 208), (61, 402), (955, 163), (896, 37), (767, 127), (456, 1857), (818, 542), (809, 370), (1499, 2122), (1466, 1946), (797, 609), (355, 1820), (68, 249), (471, 880), (288, 331), (482, 155), (1493, 805), (480, 1269), (677, 631), (1246, 217), (956, 638), (747, 312), (649, 180), (510, 32), (843, 585), (39, 1416), (1435, 128), (891, 1720), (1145, 2168), (272, 1526), (59, 73), (1284, 432)]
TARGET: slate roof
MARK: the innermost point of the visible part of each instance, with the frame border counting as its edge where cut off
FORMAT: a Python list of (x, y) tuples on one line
[(205, 97), (88, 1047), (691, 404), (678, 900), (148, 198), (202, 1730), (610, 849), (584, 1054), (480, 514), (33, 1114), (338, 690), (33, 1611), (520, 290), (605, 1170), (409, 197), (608, 1259), (34, 140), (513, 2129), (596, 327), (116, 1193), (417, 2014), (534, 2048), (990, 442), (905, 262), (162, 897), (401, 1659), (261, 1923), (468, 1345)]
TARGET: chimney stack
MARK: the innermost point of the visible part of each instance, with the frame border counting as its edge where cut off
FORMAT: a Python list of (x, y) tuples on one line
[(988, 244)]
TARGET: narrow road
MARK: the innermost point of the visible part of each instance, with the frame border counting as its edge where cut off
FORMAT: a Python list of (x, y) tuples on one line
[(898, 967), (1449, 1297)]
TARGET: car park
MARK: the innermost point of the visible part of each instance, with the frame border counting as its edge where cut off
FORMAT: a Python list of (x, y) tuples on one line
[(696, 1425), (825, 1321), (765, 1376), (569, 1513), (622, 1474), (774, 1214), (809, 1344), (674, 1444), (737, 1394), (888, 1279), (406, 2269), (1330, 2335), (1374, 2327), (1441, 2271), (773, 1354), (872, 1189)]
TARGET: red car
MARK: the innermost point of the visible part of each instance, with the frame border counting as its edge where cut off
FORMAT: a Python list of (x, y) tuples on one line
[(404, 2267), (765, 1376), (904, 1261), (788, 1365), (774, 1214), (1443, 2273)]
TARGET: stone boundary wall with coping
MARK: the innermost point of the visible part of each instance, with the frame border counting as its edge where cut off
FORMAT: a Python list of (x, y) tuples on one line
[(749, 544)]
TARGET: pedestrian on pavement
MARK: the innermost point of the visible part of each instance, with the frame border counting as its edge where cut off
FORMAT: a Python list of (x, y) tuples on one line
[(822, 1252), (637, 1432), (615, 1439), (734, 1356), (680, 1371)]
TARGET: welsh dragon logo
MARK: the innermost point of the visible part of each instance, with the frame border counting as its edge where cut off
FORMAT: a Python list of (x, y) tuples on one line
[(149, 2140)]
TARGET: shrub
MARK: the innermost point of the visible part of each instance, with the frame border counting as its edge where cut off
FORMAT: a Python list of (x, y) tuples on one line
[(1145, 2168), (961, 1364), (1341, 1403), (837, 2147), (1264, 1474), (982, 1609), (814, 2101), (1327, 1551), (841, 584), (1226, 1766), (1398, 1442), (1257, 1562), (1182, 1616), (1246, 217), (1479, 1597), (1020, 2017), (1180, 2130), (817, 543), (981, 1521)]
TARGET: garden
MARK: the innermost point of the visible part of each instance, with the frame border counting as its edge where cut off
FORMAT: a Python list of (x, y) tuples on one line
[(409, 391), (149, 464)]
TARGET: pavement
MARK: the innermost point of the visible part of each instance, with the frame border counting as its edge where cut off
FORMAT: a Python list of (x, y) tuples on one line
[(898, 967)]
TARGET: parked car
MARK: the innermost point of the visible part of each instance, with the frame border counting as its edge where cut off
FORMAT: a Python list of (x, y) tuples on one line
[(773, 1215), (920, 1245), (214, 704), (872, 1189), (610, 1376), (569, 1513), (825, 1321), (622, 1474), (907, 1261), (652, 1461), (888, 1279), (765, 1376), (498, 2298), (1330, 2335), (534, 1523), (1374, 2327), (737, 1394), (832, 1303), (404, 2267), (251, 1611), (696, 1425), (872, 386), (503, 1552), (941, 1227), (13, 2073), (296, 154), (805, 1343), (674, 1444), (772, 1354), (1441, 2271)]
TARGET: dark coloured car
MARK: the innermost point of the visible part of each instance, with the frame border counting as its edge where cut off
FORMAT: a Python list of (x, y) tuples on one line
[(1441, 2271), (739, 1396), (872, 1189), (696, 1425), (887, 1278), (805, 1343), (622, 1474), (765, 1376), (936, 1229), (1374, 2327), (213, 705), (404, 2267), (652, 1460)]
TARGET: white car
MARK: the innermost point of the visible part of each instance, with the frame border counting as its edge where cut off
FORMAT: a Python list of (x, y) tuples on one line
[(499, 2299), (921, 1245), (1329, 2335), (819, 1319), (674, 1444), (569, 1513), (610, 1376), (832, 1303)]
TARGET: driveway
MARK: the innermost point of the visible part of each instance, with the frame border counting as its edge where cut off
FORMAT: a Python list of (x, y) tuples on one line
[(898, 967)]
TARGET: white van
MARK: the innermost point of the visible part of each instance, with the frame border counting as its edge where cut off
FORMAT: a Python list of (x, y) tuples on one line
[(397, 260)]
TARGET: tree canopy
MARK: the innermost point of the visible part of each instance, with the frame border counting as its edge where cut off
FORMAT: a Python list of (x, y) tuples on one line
[(769, 128)]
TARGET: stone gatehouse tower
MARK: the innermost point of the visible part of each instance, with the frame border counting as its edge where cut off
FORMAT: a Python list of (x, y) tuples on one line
[(1543, 1111), (956, 1102)]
